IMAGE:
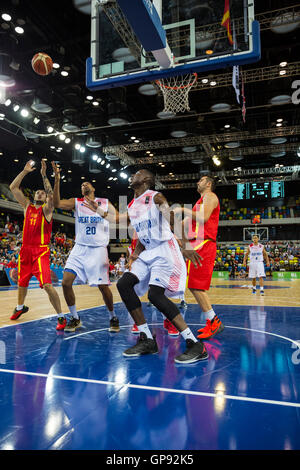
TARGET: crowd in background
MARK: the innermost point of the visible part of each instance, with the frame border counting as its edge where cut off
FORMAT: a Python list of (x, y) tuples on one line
[(283, 256)]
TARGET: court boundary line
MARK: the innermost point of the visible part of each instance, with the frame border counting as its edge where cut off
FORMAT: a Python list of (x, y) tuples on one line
[(293, 341), (119, 302), (156, 389)]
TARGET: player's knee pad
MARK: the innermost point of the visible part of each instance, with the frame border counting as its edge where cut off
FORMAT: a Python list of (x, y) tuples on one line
[(156, 296), (125, 286)]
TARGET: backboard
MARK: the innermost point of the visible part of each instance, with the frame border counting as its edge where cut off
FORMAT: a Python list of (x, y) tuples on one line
[(140, 41)]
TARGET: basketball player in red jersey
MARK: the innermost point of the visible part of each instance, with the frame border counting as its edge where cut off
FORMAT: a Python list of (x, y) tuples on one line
[(34, 257), (202, 222)]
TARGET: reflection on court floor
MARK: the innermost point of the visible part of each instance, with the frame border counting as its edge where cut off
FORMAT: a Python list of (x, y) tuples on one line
[(77, 391)]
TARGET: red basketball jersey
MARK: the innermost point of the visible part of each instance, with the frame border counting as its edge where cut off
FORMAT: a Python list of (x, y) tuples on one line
[(210, 228), (36, 229)]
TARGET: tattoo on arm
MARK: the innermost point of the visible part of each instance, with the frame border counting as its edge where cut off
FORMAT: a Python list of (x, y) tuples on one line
[(47, 185)]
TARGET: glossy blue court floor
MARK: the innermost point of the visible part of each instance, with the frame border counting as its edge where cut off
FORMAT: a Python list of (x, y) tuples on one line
[(77, 392)]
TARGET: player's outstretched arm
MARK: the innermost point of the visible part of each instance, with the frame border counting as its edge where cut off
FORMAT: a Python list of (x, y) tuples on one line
[(49, 206), (176, 227), (210, 202), (66, 204), (112, 215), (15, 185)]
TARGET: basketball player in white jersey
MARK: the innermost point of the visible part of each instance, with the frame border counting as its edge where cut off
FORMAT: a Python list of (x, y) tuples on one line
[(88, 260), (257, 254), (157, 265), (122, 262)]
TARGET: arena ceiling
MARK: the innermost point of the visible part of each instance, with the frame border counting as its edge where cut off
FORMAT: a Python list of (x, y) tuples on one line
[(268, 139)]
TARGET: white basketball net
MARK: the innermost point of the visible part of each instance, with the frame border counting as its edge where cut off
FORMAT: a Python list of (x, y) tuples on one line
[(175, 91)]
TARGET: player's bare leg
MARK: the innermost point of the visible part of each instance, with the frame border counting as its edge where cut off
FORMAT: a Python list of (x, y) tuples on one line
[(109, 302), (261, 284), (22, 292), (254, 285), (213, 323), (53, 297), (69, 294)]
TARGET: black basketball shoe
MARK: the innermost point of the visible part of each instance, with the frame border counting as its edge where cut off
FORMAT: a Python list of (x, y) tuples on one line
[(194, 352), (143, 346), (114, 326)]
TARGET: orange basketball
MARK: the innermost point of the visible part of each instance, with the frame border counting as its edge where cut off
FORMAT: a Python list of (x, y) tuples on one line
[(42, 63)]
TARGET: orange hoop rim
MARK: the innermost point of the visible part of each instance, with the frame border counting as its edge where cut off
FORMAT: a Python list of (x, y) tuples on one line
[(178, 87)]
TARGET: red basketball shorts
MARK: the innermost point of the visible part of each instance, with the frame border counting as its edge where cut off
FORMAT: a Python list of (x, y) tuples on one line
[(200, 277), (34, 261)]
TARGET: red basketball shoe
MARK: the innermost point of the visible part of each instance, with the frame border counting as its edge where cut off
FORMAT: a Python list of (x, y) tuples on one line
[(61, 323), (211, 328), (135, 330), (17, 313), (172, 331)]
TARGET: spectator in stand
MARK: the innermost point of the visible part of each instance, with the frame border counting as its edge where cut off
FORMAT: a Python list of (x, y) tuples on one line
[(12, 263)]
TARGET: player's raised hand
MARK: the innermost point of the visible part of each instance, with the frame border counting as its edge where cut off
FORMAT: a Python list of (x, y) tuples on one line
[(56, 170), (193, 256), (29, 167)]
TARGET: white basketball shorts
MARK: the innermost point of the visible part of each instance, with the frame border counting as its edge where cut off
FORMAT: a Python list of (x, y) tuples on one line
[(256, 270), (161, 266), (90, 264)]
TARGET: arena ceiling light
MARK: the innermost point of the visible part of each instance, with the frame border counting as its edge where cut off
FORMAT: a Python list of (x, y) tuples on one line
[(147, 90), (280, 100), (50, 129), (285, 23), (165, 115), (2, 116), (178, 134), (7, 102), (189, 149), (19, 30), (278, 154), (278, 140), (220, 107), (6, 17), (94, 157), (64, 73), (216, 160), (56, 65), (68, 140), (24, 112), (232, 145)]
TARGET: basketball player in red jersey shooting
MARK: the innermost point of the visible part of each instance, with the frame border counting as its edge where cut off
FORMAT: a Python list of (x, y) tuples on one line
[(34, 257), (201, 223)]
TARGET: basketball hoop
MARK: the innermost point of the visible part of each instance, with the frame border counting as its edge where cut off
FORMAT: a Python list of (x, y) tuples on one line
[(175, 91)]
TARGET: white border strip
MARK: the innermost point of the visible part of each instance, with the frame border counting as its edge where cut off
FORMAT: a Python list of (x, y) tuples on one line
[(155, 389)]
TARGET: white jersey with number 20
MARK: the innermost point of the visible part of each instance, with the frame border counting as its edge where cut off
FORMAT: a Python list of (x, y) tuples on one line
[(90, 228)]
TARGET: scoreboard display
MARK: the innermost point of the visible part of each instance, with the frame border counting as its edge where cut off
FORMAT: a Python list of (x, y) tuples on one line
[(260, 191)]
